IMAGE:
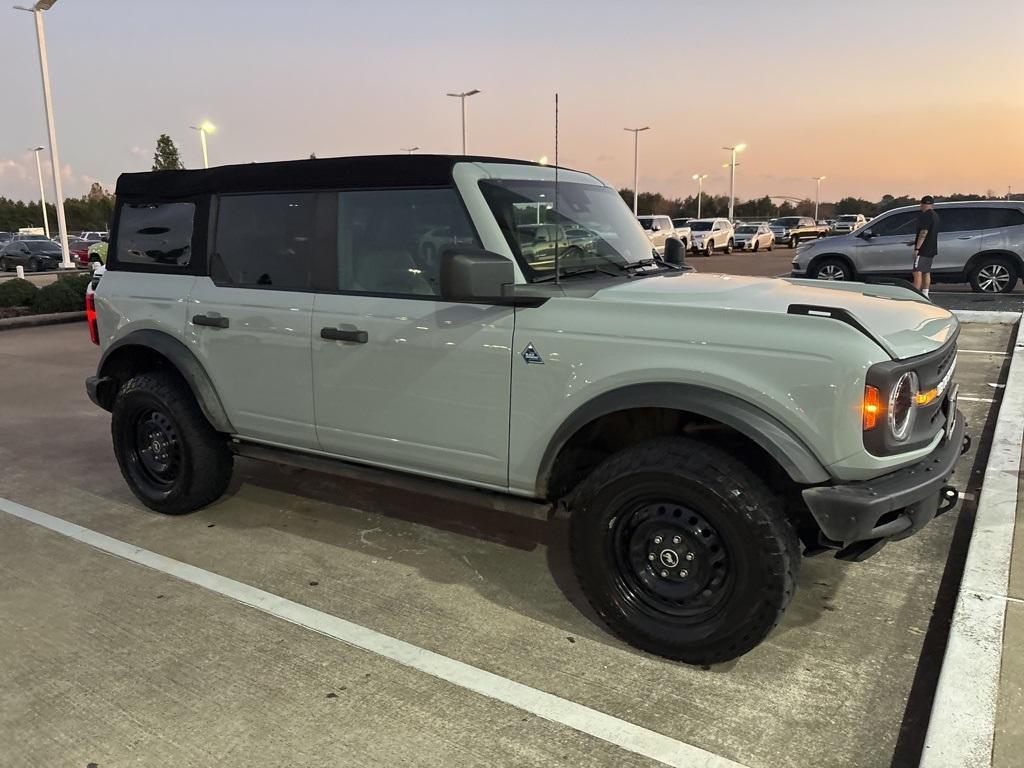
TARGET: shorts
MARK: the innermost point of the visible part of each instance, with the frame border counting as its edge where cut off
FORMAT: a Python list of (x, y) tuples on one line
[(923, 264)]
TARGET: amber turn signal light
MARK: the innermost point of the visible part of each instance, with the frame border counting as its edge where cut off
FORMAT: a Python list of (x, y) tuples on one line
[(872, 408)]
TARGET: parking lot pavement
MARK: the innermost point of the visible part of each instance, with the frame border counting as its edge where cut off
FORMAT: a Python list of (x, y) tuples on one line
[(106, 670), (778, 262)]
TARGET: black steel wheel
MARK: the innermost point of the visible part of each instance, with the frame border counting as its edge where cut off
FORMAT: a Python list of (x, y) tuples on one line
[(169, 455), (682, 550)]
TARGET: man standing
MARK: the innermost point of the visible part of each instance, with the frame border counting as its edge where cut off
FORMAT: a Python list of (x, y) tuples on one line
[(926, 244)]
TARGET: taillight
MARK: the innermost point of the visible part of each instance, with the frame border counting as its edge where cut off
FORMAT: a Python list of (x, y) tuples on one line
[(90, 318)]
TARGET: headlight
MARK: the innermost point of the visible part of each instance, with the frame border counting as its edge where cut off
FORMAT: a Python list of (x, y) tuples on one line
[(901, 405)]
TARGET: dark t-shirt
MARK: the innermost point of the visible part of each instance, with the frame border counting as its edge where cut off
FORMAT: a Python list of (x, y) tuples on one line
[(928, 220)]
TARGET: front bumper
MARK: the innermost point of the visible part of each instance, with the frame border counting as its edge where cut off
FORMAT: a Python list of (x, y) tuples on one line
[(859, 518)]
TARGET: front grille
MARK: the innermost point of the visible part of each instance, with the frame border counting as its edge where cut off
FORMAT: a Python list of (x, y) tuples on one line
[(945, 362)]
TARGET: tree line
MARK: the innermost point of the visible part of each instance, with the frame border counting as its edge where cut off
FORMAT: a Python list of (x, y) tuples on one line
[(765, 207), (89, 212)]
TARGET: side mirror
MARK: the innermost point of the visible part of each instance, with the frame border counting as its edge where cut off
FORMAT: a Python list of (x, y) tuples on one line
[(473, 274), (675, 252), (867, 234)]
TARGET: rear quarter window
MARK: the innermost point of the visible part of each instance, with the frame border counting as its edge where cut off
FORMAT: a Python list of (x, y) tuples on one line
[(156, 234)]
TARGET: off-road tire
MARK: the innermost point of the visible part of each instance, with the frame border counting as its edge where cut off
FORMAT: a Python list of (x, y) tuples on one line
[(674, 482), (200, 461)]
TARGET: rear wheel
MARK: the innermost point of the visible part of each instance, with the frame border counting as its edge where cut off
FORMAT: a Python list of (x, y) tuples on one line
[(169, 455), (831, 269), (993, 274), (682, 550)]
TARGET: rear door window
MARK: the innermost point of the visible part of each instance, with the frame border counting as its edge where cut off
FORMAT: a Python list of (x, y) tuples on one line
[(1003, 217), (157, 234), (265, 241), (962, 219)]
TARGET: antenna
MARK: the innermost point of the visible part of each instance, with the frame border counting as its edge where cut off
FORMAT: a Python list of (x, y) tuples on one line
[(557, 231)]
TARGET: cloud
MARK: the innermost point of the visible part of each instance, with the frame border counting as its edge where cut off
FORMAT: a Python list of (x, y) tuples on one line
[(139, 151), (19, 181)]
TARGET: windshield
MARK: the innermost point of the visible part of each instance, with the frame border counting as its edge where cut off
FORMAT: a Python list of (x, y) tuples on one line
[(848, 218), (645, 223), (700, 226), (788, 222), (592, 226), (746, 230)]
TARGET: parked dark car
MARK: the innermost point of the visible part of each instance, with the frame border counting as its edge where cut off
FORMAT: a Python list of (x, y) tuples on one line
[(33, 255)]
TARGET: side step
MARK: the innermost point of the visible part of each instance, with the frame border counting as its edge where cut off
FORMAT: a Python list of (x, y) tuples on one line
[(538, 510)]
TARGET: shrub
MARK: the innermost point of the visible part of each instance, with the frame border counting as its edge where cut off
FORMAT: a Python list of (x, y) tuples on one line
[(58, 297), (17, 293), (77, 283)]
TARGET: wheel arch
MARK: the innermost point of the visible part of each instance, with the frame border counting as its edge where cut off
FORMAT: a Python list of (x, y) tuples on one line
[(669, 407), (148, 349), (1015, 259)]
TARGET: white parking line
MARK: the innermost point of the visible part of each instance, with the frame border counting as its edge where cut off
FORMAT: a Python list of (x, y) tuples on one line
[(980, 352), (961, 730), (623, 734), (970, 399)]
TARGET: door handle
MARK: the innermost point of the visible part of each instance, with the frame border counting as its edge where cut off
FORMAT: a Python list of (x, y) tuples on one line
[(211, 321), (337, 334), (966, 237)]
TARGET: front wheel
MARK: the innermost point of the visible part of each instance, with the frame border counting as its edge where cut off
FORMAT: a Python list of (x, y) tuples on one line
[(831, 269), (993, 275), (682, 550), (728, 246), (771, 244), (793, 242), (709, 247), (169, 455)]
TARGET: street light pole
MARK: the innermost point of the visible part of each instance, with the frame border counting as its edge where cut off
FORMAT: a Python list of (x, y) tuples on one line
[(732, 176), (636, 163), (42, 195), (204, 128), (699, 178), (462, 97), (44, 69), (817, 195)]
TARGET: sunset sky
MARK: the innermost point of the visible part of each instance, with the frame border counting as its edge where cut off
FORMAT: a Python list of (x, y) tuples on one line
[(893, 97)]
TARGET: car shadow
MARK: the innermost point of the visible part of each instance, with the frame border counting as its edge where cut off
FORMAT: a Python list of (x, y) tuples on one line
[(370, 518)]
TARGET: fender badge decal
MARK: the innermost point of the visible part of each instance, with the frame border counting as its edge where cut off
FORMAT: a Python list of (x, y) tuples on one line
[(531, 355)]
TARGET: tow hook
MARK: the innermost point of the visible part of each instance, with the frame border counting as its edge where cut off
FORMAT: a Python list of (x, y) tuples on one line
[(948, 497)]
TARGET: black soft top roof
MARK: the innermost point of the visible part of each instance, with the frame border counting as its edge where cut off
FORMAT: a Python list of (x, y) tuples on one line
[(321, 173)]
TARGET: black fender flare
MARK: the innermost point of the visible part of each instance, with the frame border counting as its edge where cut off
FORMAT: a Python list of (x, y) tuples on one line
[(798, 461), (183, 360)]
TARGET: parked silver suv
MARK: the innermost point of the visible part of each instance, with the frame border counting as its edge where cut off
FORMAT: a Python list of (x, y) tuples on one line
[(699, 430), (980, 242)]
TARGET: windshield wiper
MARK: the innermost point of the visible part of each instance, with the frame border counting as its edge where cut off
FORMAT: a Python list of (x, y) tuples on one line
[(582, 271)]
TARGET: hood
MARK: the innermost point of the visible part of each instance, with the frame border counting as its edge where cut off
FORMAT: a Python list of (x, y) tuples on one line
[(900, 321)]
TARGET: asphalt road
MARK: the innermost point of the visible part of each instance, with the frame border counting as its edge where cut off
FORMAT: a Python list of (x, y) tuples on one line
[(112, 663), (778, 262)]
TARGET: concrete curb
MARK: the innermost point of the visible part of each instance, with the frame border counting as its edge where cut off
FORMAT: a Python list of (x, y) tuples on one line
[(31, 321), (980, 316), (961, 729)]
